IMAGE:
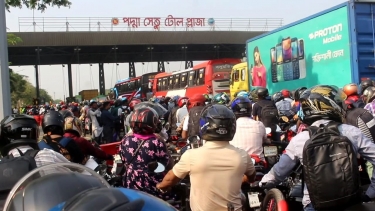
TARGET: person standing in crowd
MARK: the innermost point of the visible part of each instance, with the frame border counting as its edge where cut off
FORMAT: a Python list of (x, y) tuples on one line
[(108, 121), (94, 115)]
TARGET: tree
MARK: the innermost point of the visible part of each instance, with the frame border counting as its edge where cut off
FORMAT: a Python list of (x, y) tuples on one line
[(36, 4)]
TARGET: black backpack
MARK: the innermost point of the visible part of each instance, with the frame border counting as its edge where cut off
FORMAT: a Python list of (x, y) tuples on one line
[(194, 117), (14, 168), (330, 161), (269, 114), (362, 119)]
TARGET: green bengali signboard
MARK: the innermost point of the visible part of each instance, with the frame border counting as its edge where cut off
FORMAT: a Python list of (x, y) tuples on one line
[(313, 52)]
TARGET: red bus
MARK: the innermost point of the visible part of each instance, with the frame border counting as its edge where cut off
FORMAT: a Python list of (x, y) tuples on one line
[(209, 77), (125, 87)]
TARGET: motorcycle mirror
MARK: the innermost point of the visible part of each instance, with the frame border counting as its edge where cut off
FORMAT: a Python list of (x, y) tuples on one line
[(268, 130), (160, 168), (167, 126)]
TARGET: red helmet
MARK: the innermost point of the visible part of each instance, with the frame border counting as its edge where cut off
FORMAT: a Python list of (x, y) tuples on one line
[(182, 101), (196, 100), (285, 93), (133, 103)]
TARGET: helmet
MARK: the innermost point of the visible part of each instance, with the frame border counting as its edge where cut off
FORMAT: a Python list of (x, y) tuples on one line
[(262, 92), (285, 93), (277, 97), (154, 100), (241, 106), (115, 199), (221, 98), (118, 103), (364, 84), (298, 92), (53, 120), (159, 109), (18, 130), (369, 94), (174, 99), (182, 101), (217, 123), (144, 121), (322, 102), (350, 89), (66, 113), (196, 100), (133, 103), (27, 194), (242, 94)]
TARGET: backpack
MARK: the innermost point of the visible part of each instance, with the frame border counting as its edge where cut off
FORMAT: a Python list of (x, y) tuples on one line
[(65, 146), (330, 161), (14, 168), (269, 114), (194, 116), (362, 119)]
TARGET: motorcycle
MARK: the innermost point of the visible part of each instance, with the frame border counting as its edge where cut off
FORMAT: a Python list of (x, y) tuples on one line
[(272, 149)]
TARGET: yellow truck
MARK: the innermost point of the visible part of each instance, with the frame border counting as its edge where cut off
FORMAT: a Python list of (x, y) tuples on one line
[(239, 79), (89, 94)]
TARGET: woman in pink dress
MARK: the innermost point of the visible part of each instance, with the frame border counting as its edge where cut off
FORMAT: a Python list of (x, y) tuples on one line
[(258, 71)]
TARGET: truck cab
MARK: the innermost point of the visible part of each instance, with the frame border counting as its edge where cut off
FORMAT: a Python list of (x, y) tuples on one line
[(239, 79)]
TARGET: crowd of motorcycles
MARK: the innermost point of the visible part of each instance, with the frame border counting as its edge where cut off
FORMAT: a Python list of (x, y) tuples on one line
[(254, 197)]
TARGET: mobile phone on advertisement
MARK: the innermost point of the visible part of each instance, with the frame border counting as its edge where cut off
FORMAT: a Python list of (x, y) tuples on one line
[(287, 59), (295, 61), (273, 65), (301, 58), (279, 63)]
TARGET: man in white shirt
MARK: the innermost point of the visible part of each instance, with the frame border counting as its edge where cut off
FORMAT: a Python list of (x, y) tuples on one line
[(94, 114)]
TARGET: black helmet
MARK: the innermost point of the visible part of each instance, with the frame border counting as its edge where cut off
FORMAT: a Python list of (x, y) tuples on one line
[(53, 120), (277, 97), (262, 92), (217, 123), (365, 84), (322, 102), (144, 121), (298, 92), (18, 130), (241, 107), (118, 103)]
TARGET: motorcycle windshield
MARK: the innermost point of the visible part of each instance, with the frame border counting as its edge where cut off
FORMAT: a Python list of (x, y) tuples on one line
[(56, 182), (160, 110)]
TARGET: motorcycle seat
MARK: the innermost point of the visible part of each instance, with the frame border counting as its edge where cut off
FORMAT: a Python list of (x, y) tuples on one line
[(362, 207)]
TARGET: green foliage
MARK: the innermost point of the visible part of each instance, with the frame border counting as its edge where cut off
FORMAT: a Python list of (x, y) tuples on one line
[(36, 4), (13, 39)]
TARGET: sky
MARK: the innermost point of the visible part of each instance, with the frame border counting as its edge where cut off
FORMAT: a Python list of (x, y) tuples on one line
[(53, 78)]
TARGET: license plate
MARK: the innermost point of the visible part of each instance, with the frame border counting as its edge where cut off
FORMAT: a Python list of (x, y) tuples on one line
[(270, 151), (253, 200)]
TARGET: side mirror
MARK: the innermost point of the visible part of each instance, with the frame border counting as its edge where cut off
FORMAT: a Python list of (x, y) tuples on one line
[(160, 168)]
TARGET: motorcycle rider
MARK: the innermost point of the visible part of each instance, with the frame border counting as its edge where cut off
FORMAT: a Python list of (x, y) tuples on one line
[(353, 98), (216, 179), (250, 134), (221, 98), (312, 113), (195, 106), (365, 84), (286, 94)]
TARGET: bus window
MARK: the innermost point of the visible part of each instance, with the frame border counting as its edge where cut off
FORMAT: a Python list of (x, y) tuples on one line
[(243, 75), (164, 86), (132, 86), (183, 82), (236, 75), (176, 83), (191, 81), (170, 82), (136, 84), (158, 87), (200, 80)]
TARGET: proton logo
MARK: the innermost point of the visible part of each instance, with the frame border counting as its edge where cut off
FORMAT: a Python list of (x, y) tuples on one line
[(222, 131)]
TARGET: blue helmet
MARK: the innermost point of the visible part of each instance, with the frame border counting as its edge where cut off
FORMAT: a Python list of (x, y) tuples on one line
[(114, 199), (242, 94), (241, 107), (221, 98)]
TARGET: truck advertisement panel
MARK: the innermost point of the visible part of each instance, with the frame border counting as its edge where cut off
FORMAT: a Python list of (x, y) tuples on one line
[(315, 51)]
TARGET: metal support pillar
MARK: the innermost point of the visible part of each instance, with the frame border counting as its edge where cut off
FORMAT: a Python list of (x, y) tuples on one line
[(101, 79), (37, 82), (188, 64), (70, 80), (131, 70), (161, 67)]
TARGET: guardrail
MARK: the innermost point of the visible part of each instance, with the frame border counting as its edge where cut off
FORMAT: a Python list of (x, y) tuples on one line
[(170, 23)]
